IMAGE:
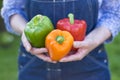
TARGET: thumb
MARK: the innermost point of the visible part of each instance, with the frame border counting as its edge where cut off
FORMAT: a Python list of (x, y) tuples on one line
[(38, 50), (25, 42)]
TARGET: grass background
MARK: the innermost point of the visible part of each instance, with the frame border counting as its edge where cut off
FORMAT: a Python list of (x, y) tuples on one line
[(8, 60), (113, 50), (9, 53)]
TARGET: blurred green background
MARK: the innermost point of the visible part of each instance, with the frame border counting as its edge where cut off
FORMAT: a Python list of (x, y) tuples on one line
[(9, 45)]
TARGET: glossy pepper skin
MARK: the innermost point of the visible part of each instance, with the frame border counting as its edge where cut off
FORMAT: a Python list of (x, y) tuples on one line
[(58, 43), (76, 27), (37, 29)]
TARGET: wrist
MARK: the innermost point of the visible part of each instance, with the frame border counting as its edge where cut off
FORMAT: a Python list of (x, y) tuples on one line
[(98, 36), (18, 23)]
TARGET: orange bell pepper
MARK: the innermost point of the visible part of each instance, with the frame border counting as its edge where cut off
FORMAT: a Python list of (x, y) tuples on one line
[(58, 43)]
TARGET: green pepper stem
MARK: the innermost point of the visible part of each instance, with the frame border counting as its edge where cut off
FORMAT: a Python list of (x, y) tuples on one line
[(60, 39), (71, 18)]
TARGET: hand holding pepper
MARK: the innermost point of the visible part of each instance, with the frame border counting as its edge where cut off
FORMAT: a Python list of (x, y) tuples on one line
[(91, 41), (38, 52), (34, 35), (84, 47)]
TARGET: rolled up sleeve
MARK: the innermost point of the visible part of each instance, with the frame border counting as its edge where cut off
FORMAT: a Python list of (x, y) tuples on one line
[(11, 7), (110, 17)]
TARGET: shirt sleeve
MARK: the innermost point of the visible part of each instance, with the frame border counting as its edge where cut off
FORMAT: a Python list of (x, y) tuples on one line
[(11, 7), (110, 17)]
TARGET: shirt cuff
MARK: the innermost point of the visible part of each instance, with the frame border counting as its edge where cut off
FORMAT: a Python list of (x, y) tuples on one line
[(112, 23), (7, 16)]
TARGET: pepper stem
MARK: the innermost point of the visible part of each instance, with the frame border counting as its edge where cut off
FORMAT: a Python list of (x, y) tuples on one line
[(60, 39), (71, 18)]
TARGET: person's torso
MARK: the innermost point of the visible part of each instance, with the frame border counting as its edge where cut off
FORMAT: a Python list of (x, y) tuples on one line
[(56, 9)]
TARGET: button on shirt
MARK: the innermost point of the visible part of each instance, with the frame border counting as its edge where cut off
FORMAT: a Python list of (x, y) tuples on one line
[(109, 14)]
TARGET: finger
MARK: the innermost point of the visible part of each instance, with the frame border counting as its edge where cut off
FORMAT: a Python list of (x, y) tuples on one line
[(26, 43), (36, 51), (77, 56), (74, 57), (45, 58)]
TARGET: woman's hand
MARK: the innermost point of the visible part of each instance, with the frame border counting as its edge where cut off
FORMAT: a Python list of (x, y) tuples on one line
[(92, 40), (84, 47), (35, 51), (18, 24)]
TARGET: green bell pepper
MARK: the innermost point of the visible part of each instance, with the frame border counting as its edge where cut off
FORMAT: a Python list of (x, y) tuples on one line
[(37, 29)]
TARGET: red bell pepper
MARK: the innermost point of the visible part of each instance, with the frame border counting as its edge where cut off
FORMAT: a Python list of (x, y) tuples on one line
[(76, 27)]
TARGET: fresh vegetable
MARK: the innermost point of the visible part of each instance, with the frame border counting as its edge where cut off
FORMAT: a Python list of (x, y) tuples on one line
[(76, 27), (58, 43), (37, 29)]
